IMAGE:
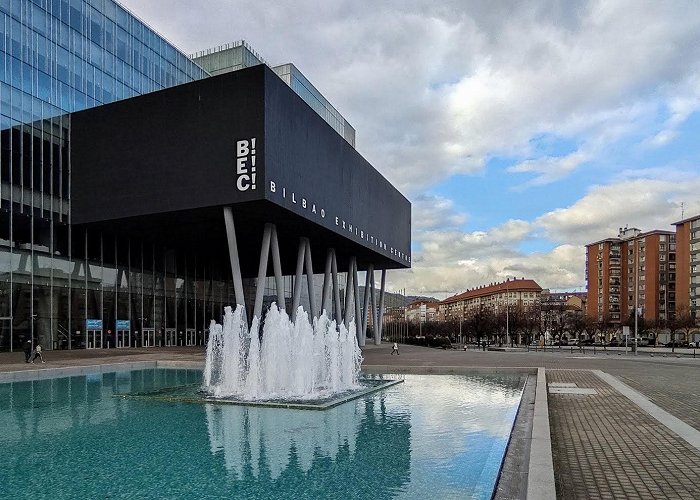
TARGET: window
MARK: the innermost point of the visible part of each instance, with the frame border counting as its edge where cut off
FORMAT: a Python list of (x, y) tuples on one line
[(662, 267), (662, 237), (662, 247)]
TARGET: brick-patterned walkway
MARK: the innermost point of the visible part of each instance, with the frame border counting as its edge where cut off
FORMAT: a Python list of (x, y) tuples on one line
[(604, 447), (676, 389)]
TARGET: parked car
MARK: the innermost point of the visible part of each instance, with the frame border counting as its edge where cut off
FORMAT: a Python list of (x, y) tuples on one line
[(677, 343)]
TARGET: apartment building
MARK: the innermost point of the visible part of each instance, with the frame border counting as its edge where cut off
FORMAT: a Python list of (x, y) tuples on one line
[(636, 269), (604, 279), (688, 265), (421, 311), (516, 293)]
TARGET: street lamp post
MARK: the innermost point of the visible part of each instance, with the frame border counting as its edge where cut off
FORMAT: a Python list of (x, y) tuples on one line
[(636, 296), (507, 308)]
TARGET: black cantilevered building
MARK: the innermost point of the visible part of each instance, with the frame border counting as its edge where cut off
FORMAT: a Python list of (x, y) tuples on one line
[(131, 220)]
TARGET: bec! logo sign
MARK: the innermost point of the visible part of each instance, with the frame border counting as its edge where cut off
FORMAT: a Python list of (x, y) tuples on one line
[(245, 164)]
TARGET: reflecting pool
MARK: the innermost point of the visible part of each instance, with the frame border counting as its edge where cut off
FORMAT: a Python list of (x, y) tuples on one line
[(433, 436)]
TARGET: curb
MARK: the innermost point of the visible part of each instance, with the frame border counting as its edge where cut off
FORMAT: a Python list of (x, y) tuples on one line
[(540, 483)]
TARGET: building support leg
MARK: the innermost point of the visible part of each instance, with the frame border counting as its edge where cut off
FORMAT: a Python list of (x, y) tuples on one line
[(277, 269), (262, 272), (336, 290), (369, 277), (326, 282), (380, 319), (233, 256), (310, 280), (296, 298), (373, 297), (358, 315), (348, 295)]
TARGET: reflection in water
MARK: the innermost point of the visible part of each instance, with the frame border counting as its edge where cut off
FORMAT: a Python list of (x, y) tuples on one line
[(244, 434), (336, 453)]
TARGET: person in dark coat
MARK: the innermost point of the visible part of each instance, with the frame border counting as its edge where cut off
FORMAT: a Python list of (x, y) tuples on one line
[(27, 350)]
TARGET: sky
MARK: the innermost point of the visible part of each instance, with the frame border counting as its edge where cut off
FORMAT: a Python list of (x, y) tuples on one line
[(520, 131)]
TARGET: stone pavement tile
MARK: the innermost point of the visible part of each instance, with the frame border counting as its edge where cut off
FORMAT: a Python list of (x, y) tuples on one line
[(605, 446), (676, 389)]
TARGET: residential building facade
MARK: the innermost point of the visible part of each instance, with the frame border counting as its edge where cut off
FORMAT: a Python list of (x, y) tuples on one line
[(635, 270), (688, 266), (421, 311), (517, 293)]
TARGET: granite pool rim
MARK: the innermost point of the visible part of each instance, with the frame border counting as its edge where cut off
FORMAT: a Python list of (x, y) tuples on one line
[(291, 405)]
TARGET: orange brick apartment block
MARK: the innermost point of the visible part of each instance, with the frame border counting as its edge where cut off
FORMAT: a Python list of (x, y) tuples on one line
[(638, 263), (688, 259), (518, 293)]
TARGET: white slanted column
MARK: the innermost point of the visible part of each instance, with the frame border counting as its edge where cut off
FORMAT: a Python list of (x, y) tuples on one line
[(233, 256), (348, 294), (262, 271), (296, 299), (277, 269), (358, 315), (326, 282), (373, 296), (369, 281), (313, 312), (336, 290), (380, 320)]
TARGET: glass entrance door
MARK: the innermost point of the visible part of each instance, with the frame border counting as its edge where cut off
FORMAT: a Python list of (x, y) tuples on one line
[(190, 336), (123, 338), (170, 337), (149, 337), (93, 339)]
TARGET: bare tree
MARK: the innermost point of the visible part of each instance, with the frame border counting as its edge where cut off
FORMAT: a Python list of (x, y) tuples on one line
[(685, 321)]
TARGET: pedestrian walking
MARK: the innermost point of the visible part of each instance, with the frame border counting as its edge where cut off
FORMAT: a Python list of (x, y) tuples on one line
[(37, 354), (395, 349), (27, 351)]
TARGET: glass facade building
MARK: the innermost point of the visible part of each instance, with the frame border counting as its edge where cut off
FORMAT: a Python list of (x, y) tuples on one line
[(238, 55), (70, 286), (63, 286)]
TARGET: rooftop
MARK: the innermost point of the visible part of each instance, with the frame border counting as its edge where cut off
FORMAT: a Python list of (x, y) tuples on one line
[(518, 285)]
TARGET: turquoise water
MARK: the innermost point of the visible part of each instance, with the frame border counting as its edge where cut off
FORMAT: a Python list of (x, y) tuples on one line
[(433, 436)]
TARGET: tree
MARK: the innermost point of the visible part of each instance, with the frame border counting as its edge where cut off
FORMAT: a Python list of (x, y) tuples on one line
[(685, 321), (641, 322), (481, 323), (531, 323), (576, 323), (607, 327)]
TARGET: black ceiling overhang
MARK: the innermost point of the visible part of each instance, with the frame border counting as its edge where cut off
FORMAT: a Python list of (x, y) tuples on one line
[(202, 233)]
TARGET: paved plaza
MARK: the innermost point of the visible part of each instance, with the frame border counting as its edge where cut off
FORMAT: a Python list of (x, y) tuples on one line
[(604, 444)]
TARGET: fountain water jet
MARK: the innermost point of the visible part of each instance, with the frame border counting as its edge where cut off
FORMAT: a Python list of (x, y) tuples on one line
[(292, 361)]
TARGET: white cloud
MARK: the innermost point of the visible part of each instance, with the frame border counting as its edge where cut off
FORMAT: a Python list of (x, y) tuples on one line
[(550, 168), (646, 203), (439, 88)]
